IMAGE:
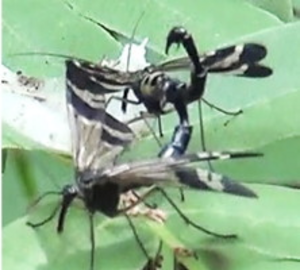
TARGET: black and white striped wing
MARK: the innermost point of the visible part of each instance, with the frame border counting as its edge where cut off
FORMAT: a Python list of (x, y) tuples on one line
[(170, 171), (242, 60), (97, 136), (103, 79)]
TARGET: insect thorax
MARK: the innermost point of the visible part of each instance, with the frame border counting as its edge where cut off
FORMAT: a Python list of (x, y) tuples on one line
[(100, 197), (153, 90)]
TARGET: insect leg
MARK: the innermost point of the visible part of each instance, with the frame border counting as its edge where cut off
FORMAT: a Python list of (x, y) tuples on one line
[(179, 143), (160, 126), (151, 206), (156, 262), (144, 115), (137, 238), (202, 133), (138, 201), (190, 222), (178, 265), (125, 97), (233, 113), (122, 99), (92, 239), (144, 118)]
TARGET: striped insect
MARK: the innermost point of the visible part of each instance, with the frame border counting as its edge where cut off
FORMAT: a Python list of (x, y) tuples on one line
[(98, 138), (154, 88)]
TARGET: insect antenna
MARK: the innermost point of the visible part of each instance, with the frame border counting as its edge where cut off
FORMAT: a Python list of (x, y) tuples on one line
[(56, 55), (126, 91), (53, 213), (158, 141), (37, 201), (131, 42), (41, 197), (46, 220)]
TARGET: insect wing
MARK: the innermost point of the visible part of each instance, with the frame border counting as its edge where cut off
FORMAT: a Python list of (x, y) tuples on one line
[(175, 172), (241, 60), (97, 137), (103, 79), (233, 59)]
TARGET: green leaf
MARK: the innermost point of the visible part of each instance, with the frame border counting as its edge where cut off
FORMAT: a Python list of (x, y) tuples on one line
[(282, 9), (28, 174), (70, 34), (43, 248), (51, 27), (267, 228)]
